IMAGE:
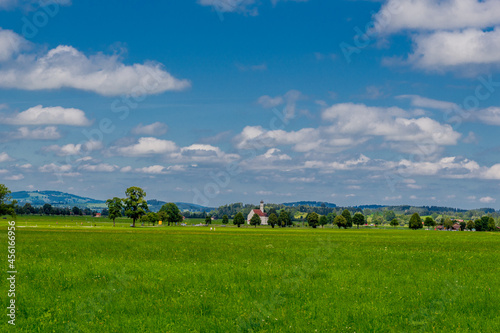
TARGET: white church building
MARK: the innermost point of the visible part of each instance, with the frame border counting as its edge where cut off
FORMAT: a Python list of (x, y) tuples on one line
[(260, 212)]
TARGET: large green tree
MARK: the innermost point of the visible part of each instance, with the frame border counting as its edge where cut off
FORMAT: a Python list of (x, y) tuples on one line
[(331, 217), (358, 219), (312, 219), (491, 224), (482, 223), (340, 221), (284, 219), (172, 212), (135, 204), (208, 219), (115, 207), (323, 220), (389, 215), (7, 205), (347, 215), (394, 223), (273, 220), (470, 225), (415, 222), (239, 219), (429, 222), (255, 220), (225, 220)]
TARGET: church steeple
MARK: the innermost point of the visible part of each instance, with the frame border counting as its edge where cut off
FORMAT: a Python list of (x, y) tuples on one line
[(262, 206)]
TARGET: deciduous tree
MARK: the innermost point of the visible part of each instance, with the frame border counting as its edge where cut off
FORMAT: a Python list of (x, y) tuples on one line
[(135, 204), (239, 219), (415, 222), (358, 219), (429, 222), (273, 220), (115, 207), (312, 219), (340, 221), (173, 214), (7, 205), (284, 219), (347, 216), (255, 220), (323, 220)]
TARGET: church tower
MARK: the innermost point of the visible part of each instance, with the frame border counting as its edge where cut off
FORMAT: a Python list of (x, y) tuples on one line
[(262, 206)]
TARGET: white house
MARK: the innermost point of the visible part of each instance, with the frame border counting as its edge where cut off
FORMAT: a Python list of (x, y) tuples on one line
[(263, 216)]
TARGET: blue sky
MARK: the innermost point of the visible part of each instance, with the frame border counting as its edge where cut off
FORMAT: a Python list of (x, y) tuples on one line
[(219, 101)]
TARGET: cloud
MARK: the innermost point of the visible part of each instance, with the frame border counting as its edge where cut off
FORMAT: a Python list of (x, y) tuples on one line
[(269, 102), (103, 167), (448, 49), (74, 149), (203, 153), (391, 123), (15, 177), (290, 99), (398, 15), (272, 159), (231, 6), (4, 157), (55, 168), (490, 116), (66, 67), (39, 115), (255, 137), (31, 4), (11, 44), (492, 172), (488, 200), (148, 146), (448, 35), (154, 129), (41, 133), (424, 102), (154, 169), (26, 166), (347, 125), (451, 167)]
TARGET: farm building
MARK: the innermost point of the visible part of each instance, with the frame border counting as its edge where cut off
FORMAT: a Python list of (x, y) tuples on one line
[(263, 216)]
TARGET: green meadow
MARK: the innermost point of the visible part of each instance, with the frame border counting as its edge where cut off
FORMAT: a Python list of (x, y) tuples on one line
[(77, 277)]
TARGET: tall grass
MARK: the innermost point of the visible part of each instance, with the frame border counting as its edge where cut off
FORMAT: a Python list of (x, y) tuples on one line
[(254, 280)]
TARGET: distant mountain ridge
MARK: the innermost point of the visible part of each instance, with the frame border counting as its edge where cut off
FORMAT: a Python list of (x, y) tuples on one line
[(310, 203), (62, 199)]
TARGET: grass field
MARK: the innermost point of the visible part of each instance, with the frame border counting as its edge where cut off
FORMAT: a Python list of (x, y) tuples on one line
[(175, 279)]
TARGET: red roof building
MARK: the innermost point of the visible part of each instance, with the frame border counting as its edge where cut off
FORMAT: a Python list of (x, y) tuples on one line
[(260, 212)]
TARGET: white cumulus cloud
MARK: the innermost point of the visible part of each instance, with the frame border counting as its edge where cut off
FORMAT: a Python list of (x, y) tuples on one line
[(148, 146), (39, 115), (66, 67), (153, 129)]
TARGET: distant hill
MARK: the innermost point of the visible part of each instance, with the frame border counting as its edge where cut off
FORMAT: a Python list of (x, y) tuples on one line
[(62, 199), (310, 203), (56, 199), (155, 205)]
